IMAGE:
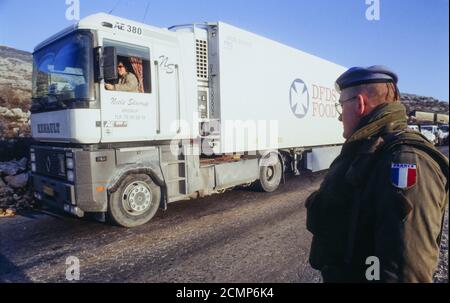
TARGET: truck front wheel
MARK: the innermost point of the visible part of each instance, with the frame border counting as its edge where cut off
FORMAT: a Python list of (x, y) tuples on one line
[(135, 202)]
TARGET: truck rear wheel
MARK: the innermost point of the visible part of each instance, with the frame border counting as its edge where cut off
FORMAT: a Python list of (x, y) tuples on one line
[(270, 173), (135, 202)]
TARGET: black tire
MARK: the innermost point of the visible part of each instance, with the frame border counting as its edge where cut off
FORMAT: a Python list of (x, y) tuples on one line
[(269, 175), (135, 202)]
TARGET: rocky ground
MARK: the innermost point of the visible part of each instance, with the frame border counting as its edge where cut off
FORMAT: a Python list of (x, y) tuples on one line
[(14, 123), (15, 188), (238, 236), (414, 102)]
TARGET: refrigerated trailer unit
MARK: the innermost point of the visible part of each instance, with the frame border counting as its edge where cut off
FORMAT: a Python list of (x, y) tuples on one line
[(216, 107)]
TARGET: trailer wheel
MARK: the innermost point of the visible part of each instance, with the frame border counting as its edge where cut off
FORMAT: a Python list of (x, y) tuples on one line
[(270, 173), (135, 202)]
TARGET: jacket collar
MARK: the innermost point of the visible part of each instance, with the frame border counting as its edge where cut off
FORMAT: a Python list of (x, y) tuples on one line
[(386, 117)]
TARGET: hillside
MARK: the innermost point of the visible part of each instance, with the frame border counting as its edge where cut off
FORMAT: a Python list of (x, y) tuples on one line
[(15, 92), (15, 71)]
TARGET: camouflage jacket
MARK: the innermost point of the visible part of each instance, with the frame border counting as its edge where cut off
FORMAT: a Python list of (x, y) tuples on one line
[(384, 196)]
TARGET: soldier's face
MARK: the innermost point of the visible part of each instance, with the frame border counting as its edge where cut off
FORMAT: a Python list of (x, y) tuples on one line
[(351, 115)]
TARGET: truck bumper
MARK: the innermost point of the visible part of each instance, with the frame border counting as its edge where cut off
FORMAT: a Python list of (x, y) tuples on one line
[(56, 194), (88, 191)]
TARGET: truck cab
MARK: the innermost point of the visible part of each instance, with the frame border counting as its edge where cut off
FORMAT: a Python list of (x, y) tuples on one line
[(72, 68), (90, 138)]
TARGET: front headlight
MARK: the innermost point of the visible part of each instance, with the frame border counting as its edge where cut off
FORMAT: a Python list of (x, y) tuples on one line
[(69, 163), (70, 176)]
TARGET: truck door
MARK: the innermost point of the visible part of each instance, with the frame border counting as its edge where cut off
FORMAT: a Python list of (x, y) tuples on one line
[(128, 106), (168, 90)]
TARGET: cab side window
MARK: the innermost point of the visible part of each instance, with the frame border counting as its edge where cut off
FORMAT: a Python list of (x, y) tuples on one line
[(134, 60)]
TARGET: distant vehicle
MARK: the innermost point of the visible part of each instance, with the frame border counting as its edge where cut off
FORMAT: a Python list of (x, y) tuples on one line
[(430, 132), (423, 116), (442, 118), (443, 134), (414, 127), (427, 117)]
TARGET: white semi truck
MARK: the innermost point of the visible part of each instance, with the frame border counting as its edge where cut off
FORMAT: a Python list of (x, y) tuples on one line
[(215, 107)]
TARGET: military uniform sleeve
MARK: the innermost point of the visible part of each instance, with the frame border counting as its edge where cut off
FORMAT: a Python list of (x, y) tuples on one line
[(130, 85), (409, 207)]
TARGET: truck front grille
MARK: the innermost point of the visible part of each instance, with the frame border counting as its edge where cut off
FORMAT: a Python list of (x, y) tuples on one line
[(51, 163)]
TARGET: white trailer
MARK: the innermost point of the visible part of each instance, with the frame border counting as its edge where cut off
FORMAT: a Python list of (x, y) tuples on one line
[(215, 107)]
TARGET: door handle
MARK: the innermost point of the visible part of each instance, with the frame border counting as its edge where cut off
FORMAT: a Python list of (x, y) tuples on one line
[(158, 99)]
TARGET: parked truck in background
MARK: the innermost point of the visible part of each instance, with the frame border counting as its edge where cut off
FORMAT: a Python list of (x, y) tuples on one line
[(216, 107), (434, 126)]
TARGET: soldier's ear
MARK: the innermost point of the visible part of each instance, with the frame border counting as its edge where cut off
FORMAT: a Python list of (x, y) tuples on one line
[(361, 105)]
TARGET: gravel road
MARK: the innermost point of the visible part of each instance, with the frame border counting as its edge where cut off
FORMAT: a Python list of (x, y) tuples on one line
[(239, 236)]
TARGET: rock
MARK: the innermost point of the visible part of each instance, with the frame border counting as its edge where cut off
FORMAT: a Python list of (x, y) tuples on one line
[(18, 181), (7, 213), (9, 168), (8, 114), (23, 163), (2, 185), (5, 190), (3, 110), (17, 112)]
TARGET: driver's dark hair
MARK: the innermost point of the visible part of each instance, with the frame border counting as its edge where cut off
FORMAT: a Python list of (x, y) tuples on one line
[(121, 62)]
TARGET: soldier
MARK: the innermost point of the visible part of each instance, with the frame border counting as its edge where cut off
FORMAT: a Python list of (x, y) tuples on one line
[(127, 81), (379, 212)]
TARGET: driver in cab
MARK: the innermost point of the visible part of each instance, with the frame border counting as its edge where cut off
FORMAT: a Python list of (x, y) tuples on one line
[(127, 81)]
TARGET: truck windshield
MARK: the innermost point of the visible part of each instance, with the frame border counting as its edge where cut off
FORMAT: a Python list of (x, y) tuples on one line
[(62, 71)]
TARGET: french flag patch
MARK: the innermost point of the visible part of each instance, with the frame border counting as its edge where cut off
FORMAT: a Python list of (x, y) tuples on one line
[(403, 175)]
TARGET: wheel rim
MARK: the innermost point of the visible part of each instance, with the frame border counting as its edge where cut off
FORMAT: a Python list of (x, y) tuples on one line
[(137, 198), (270, 173)]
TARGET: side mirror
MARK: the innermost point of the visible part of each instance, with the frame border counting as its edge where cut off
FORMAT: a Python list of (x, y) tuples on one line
[(110, 63), (98, 64)]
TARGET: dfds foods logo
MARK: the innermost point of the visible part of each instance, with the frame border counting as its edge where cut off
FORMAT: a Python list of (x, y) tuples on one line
[(321, 103), (299, 98)]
